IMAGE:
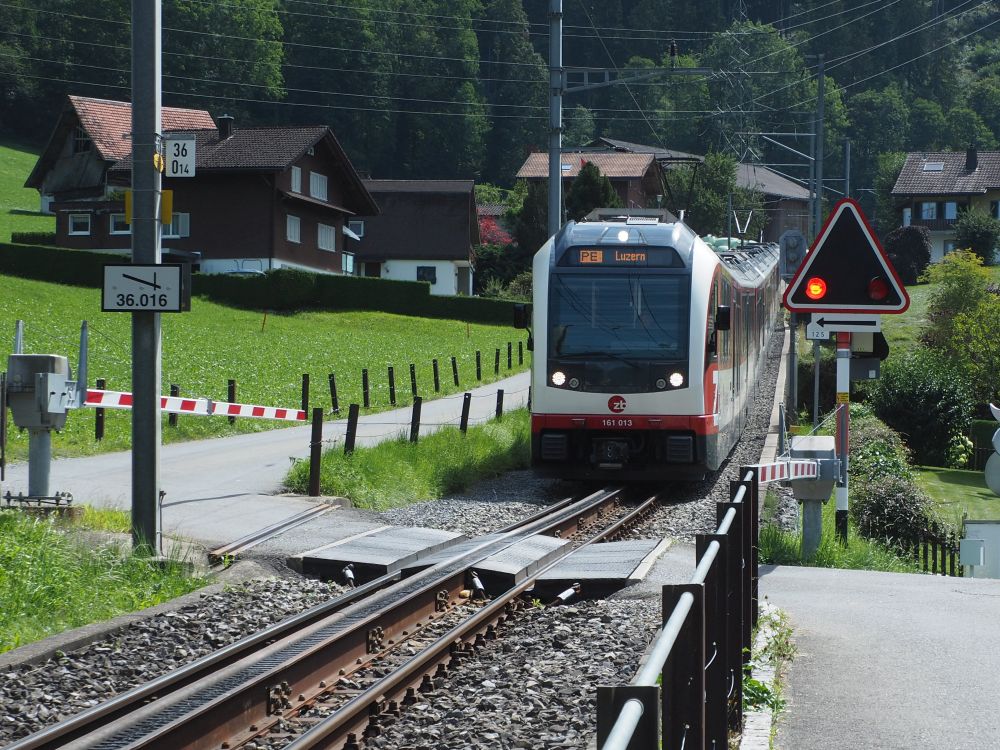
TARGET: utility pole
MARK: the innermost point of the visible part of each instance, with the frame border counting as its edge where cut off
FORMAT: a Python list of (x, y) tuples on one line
[(146, 185), (556, 86), (559, 86), (818, 141)]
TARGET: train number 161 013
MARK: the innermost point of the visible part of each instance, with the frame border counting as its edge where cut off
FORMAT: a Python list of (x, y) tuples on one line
[(616, 422)]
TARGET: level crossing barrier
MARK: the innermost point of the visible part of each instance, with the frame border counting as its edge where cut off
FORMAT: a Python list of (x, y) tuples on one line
[(688, 692)]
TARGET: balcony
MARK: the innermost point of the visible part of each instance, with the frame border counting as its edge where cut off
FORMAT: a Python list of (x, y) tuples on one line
[(934, 225)]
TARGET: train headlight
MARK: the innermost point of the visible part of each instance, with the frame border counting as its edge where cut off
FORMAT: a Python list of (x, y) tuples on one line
[(676, 379), (623, 235), (558, 378), (574, 383), (661, 383)]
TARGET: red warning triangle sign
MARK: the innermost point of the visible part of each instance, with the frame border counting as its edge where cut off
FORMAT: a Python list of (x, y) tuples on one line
[(846, 269)]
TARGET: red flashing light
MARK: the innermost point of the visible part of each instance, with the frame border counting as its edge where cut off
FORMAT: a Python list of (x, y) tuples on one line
[(815, 288), (878, 289)]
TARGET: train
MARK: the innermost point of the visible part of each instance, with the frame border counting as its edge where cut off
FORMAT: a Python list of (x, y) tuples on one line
[(647, 347)]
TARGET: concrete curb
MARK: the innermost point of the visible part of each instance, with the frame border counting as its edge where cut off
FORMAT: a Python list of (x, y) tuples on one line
[(770, 450), (757, 724)]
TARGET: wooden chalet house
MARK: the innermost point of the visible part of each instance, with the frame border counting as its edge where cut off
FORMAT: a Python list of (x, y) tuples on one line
[(933, 187), (427, 231), (261, 198)]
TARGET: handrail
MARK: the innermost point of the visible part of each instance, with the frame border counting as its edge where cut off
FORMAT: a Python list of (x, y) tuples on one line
[(731, 605)]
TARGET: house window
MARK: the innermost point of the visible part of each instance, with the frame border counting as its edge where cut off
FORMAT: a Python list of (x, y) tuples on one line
[(317, 185), (427, 273), (118, 224), (326, 238), (180, 226), (81, 141), (950, 210), (292, 229), (928, 210), (358, 227), (347, 263), (79, 224), (296, 179)]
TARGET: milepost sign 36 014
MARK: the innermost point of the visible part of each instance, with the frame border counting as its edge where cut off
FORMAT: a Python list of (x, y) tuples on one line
[(152, 287)]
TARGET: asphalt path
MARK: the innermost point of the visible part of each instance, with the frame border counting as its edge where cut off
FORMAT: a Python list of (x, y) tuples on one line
[(222, 489), (888, 660)]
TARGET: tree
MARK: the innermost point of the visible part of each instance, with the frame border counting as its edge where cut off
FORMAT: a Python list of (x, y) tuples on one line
[(965, 127), (703, 193), (880, 123), (909, 250), (515, 86), (887, 169), (530, 222), (976, 336), (580, 128), (959, 285), (590, 190), (977, 231), (927, 125)]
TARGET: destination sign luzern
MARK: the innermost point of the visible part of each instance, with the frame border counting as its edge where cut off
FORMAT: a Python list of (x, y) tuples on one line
[(625, 256)]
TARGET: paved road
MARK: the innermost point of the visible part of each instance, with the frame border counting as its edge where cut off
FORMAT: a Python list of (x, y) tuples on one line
[(889, 660), (221, 489)]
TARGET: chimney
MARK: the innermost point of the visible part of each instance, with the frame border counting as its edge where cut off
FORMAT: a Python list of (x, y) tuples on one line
[(225, 123), (971, 158)]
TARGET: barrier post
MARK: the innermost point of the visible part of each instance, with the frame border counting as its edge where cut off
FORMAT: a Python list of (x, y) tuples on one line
[(413, 380), (454, 370), (352, 429), (334, 402), (496, 362), (99, 413), (716, 668), (753, 534), (683, 676), (315, 452), (415, 420), (499, 403), (366, 398), (737, 610), (392, 386), (305, 392), (479, 365), (231, 397), (3, 425), (175, 390), (520, 353), (466, 402), (437, 378), (510, 362)]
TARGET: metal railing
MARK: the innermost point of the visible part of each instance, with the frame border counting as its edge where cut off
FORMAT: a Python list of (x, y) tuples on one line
[(699, 654)]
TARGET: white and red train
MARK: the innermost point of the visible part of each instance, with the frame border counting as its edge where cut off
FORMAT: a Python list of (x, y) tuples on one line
[(647, 348)]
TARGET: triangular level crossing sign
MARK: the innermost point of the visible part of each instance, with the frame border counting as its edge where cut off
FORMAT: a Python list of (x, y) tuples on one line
[(846, 270)]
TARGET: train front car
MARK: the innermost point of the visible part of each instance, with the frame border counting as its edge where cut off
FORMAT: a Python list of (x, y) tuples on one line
[(625, 378)]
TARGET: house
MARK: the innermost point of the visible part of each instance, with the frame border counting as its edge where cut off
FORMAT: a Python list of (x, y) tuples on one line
[(933, 187), (635, 177), (261, 198), (786, 201), (426, 231)]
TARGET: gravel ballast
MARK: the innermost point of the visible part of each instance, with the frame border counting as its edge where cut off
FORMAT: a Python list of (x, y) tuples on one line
[(536, 688)]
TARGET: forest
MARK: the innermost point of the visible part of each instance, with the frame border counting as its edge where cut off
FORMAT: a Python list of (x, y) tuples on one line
[(435, 89)]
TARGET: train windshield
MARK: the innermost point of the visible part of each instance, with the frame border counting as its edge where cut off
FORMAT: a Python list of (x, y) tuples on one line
[(634, 316)]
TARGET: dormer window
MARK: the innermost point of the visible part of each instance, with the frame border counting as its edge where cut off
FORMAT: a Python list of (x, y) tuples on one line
[(81, 141), (933, 166)]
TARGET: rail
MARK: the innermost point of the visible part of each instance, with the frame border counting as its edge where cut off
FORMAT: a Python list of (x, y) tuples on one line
[(688, 692)]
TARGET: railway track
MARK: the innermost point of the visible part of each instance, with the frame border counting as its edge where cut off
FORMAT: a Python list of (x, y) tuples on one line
[(307, 681)]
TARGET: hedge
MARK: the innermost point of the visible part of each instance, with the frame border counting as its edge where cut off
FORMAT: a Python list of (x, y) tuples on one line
[(283, 290), (33, 238)]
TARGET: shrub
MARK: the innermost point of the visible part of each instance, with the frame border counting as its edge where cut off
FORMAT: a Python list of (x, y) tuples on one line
[(959, 285), (909, 250), (925, 397), (979, 232), (886, 504), (33, 238)]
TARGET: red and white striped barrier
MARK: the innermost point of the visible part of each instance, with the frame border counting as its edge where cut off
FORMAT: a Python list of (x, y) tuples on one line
[(202, 406), (788, 470)]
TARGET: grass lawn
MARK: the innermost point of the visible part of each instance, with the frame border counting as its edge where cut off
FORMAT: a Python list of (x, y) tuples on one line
[(18, 204), (956, 491), (204, 348)]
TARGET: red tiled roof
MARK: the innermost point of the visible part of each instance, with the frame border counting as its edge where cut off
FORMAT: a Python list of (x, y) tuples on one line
[(611, 164), (108, 123)]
